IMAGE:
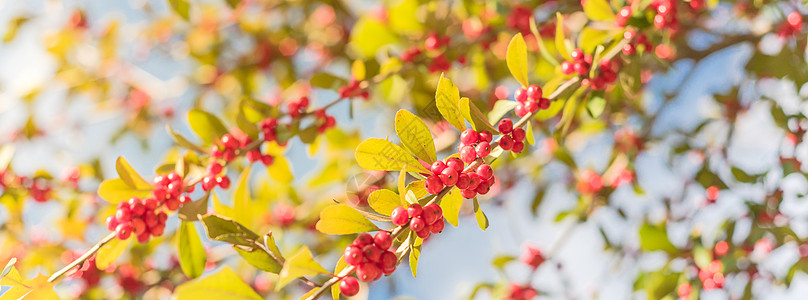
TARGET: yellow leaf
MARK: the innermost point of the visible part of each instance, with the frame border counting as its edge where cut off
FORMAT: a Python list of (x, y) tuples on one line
[(18, 286), (482, 220), (190, 251), (415, 136), (110, 252), (130, 176), (598, 10), (224, 284), (475, 116), (358, 70), (342, 219), (589, 38), (446, 98), (418, 188), (415, 253), (384, 201), (450, 204), (41, 289), (382, 155), (220, 208), (516, 58), (116, 191), (368, 35), (529, 134), (559, 37), (207, 126), (335, 291), (280, 170), (241, 199), (298, 265)]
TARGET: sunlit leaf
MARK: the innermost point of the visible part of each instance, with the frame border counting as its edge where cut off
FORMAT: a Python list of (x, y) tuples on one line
[(109, 252), (516, 59), (415, 136), (342, 219), (482, 220), (598, 10), (298, 265), (383, 201), (116, 191), (190, 251), (381, 155), (224, 284), (451, 204), (446, 98)]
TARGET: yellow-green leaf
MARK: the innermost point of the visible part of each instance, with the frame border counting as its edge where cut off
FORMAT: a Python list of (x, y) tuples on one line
[(446, 98), (384, 201), (598, 10), (415, 136), (181, 7), (368, 35), (559, 37), (130, 176), (335, 291), (280, 170), (224, 284), (116, 191), (529, 134), (500, 109), (589, 38), (516, 58), (482, 220), (475, 116), (298, 265), (358, 70), (110, 252), (381, 155), (220, 208), (342, 219), (415, 253), (260, 259), (450, 204), (241, 199), (207, 126), (190, 251)]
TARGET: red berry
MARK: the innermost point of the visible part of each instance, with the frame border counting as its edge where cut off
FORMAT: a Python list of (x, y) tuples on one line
[(794, 19), (223, 181), (123, 214), (112, 223), (368, 272), (506, 142), (469, 193), (417, 224), (436, 210), (142, 238), (372, 253), (437, 167), (462, 181), (531, 106), (455, 163), (229, 141), (567, 67), (483, 149), (520, 95), (485, 171), (519, 110), (415, 210), (628, 49), (518, 134), (518, 147), (505, 126), (534, 92), (138, 226), (388, 260), (434, 184), (429, 216), (474, 180), (267, 160), (383, 240), (349, 286), (544, 103), (363, 239), (399, 216), (483, 188), (485, 136), (577, 55), (468, 137), (448, 177), (581, 68), (209, 182), (123, 231), (437, 227), (432, 42), (468, 154), (424, 232)]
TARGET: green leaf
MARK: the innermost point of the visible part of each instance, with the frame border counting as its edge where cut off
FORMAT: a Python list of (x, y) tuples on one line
[(183, 142), (248, 127), (260, 259), (742, 176), (500, 109), (501, 260), (192, 211), (342, 219), (181, 7), (242, 212), (383, 201), (451, 204), (190, 251), (590, 38), (224, 284), (482, 220), (596, 104), (130, 176), (116, 191), (598, 10), (653, 238), (516, 58), (381, 155), (415, 136), (298, 265), (233, 3), (226, 230), (327, 81), (474, 116), (561, 46), (109, 252), (207, 126), (446, 98)]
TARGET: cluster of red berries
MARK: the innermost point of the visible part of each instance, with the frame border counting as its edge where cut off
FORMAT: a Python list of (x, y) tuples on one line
[(512, 138), (636, 39), (39, 188), (589, 182), (435, 44), (530, 100), (409, 55), (324, 121), (424, 220), (353, 90), (138, 217), (792, 26), (298, 107), (371, 257), (665, 14), (226, 148), (474, 144), (255, 155), (711, 276), (532, 257), (581, 64), (268, 127), (518, 292), (519, 19)]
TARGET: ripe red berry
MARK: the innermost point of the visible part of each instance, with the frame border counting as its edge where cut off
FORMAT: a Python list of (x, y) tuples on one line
[(519, 110), (567, 67), (223, 181), (483, 188), (437, 167), (416, 224), (424, 232), (448, 177), (468, 137), (581, 68), (520, 95), (485, 171), (518, 134), (483, 149), (474, 180), (123, 231), (429, 216), (382, 240), (468, 154), (230, 142), (209, 182), (506, 142), (534, 92), (399, 216), (628, 49), (363, 239), (415, 210), (518, 147), (123, 214), (794, 19), (544, 103), (577, 55), (437, 227), (485, 136), (371, 252), (505, 126), (435, 210), (111, 222), (388, 260), (462, 181), (349, 286), (434, 184), (455, 163), (368, 272), (432, 42), (469, 193), (531, 106)]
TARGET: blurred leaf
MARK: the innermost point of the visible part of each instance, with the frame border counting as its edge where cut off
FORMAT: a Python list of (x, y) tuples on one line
[(654, 238), (589, 38), (342, 219), (500, 109), (415, 254), (742, 176), (516, 58), (226, 230), (501, 260), (191, 211), (109, 252), (369, 35), (327, 81), (298, 265), (183, 142), (561, 46), (446, 98), (224, 284), (381, 155), (242, 212), (415, 136), (474, 116), (358, 70), (13, 27), (280, 169), (598, 10), (130, 176), (116, 191), (181, 7), (260, 259), (191, 254), (207, 126), (482, 220), (595, 104), (549, 57)]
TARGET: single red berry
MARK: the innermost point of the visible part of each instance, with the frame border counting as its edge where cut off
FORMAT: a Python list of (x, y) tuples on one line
[(253, 156), (388, 260), (437, 227), (353, 255), (424, 232), (462, 181), (136, 206), (223, 181), (506, 142), (267, 159), (505, 126), (229, 141), (520, 95), (123, 231), (368, 272), (483, 188), (432, 42), (415, 210), (577, 55), (628, 49), (363, 239), (474, 180), (581, 68), (721, 248), (468, 154), (455, 163), (436, 210), (172, 203), (485, 136), (123, 214), (349, 286), (448, 177), (794, 19), (518, 147), (534, 92), (483, 149), (434, 184), (382, 240), (417, 224), (138, 226), (429, 216), (567, 67), (111, 222), (485, 171), (519, 110), (399, 216), (437, 167), (468, 137), (544, 103), (209, 182), (468, 194), (531, 106), (372, 253), (185, 199), (518, 134)]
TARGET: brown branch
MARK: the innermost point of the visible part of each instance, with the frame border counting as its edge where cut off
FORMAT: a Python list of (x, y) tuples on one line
[(83, 257)]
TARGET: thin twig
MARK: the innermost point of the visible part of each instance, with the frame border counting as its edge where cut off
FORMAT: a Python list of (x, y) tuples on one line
[(83, 257)]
